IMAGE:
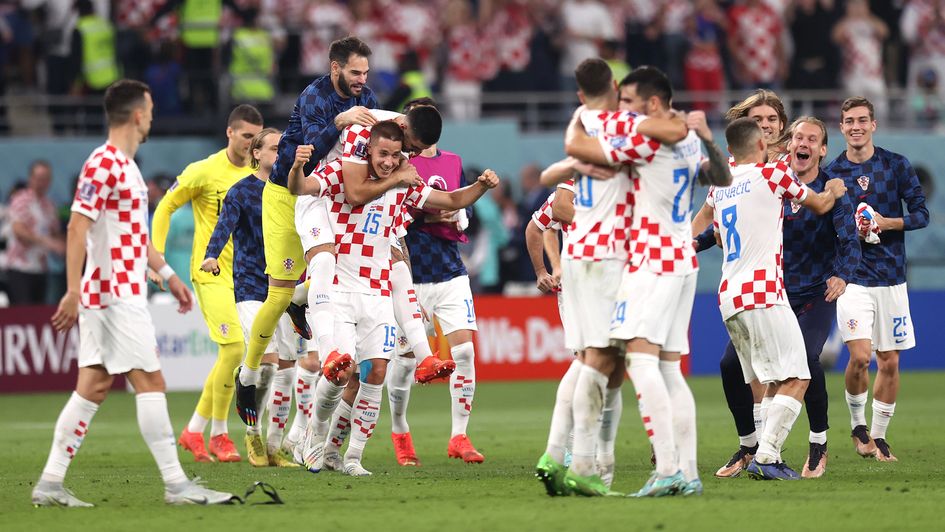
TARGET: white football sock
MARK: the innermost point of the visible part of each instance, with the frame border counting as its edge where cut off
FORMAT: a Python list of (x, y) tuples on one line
[(684, 417), (610, 420), (300, 295), (562, 418), (782, 413), (748, 441), (248, 376), (266, 373), (462, 386), (857, 405), (197, 423), (327, 397), (763, 410), (367, 408), (70, 431), (280, 403), (305, 382), (400, 374), (321, 273), (818, 437), (882, 413), (339, 428), (756, 413), (588, 403), (407, 310), (656, 410), (155, 425), (217, 427)]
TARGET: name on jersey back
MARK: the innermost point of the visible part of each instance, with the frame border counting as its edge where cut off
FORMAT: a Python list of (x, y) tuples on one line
[(730, 192)]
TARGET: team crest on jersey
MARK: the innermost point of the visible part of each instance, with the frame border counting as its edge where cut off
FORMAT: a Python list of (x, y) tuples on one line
[(863, 181), (851, 324), (360, 149), (224, 329), (403, 341), (315, 232), (795, 207), (288, 264)]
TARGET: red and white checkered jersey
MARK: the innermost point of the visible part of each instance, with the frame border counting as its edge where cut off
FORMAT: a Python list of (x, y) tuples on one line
[(862, 51), (112, 193), (757, 30), (363, 233), (603, 208), (352, 144), (748, 216), (661, 232), (544, 217)]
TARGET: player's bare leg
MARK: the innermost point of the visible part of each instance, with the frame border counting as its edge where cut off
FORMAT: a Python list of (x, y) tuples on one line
[(885, 391), (856, 380)]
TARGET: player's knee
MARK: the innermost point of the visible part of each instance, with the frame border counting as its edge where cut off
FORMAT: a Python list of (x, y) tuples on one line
[(373, 371), (464, 352), (887, 361)]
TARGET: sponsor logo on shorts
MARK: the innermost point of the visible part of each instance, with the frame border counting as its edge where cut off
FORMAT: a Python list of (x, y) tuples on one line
[(288, 264), (863, 181), (224, 329), (851, 324), (321, 299)]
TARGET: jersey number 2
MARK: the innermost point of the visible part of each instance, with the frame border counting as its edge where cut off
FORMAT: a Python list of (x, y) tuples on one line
[(681, 174)]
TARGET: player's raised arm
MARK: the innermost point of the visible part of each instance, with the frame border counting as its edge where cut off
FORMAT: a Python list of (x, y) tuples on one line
[(464, 197), (716, 171), (569, 167), (298, 183)]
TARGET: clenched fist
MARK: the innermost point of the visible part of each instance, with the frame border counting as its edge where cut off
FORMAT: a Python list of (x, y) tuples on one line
[(836, 187), (302, 155), (489, 179)]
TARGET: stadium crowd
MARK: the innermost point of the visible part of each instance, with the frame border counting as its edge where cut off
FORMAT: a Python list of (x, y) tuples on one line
[(462, 48)]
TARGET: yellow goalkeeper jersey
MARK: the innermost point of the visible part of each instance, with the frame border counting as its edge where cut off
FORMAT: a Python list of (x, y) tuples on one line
[(204, 184)]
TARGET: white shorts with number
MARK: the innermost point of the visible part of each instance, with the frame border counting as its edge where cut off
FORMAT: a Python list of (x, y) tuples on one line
[(877, 313), (120, 337), (769, 344), (364, 325), (284, 341), (656, 308), (451, 302), (588, 290), (312, 223)]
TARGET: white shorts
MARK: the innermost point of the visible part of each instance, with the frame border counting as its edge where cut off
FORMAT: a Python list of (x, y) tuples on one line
[(588, 290), (284, 341), (451, 302), (656, 308), (769, 344), (364, 325), (877, 313), (312, 223), (120, 337)]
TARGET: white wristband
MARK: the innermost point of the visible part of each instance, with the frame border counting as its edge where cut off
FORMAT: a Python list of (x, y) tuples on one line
[(166, 272)]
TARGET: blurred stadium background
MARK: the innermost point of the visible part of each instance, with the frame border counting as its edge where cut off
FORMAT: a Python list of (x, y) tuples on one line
[(502, 71)]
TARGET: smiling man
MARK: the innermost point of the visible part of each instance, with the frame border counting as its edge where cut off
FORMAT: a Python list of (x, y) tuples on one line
[(873, 313)]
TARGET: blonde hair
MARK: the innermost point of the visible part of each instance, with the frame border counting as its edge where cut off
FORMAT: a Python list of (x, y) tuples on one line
[(756, 99), (257, 144), (809, 120)]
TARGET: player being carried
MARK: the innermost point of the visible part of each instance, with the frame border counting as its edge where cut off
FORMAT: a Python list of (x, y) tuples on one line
[(767, 338), (108, 235), (654, 302), (364, 321)]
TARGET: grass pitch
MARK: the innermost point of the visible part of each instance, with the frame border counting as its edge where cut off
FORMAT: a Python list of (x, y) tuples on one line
[(509, 425)]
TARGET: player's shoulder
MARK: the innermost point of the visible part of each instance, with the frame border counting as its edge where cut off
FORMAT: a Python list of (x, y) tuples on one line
[(317, 91), (891, 158), (105, 157)]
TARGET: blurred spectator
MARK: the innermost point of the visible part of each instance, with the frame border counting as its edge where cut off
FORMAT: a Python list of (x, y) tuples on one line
[(586, 23), (199, 23), (412, 85), (92, 52), (703, 67), (755, 44), (35, 233), (17, 42), (927, 103), (519, 276), (58, 22), (180, 241), (814, 63), (509, 30), (369, 26), (467, 62), (641, 31), (252, 62), (164, 78), (671, 21), (412, 25), (860, 36), (157, 187), (488, 236), (326, 21), (610, 52), (546, 45), (923, 29), (133, 32)]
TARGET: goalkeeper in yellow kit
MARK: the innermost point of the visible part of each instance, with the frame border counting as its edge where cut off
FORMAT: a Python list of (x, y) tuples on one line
[(205, 184)]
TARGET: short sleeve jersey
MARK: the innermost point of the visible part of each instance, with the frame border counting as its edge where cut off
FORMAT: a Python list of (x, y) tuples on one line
[(603, 208), (112, 193), (661, 232), (363, 233), (748, 215)]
